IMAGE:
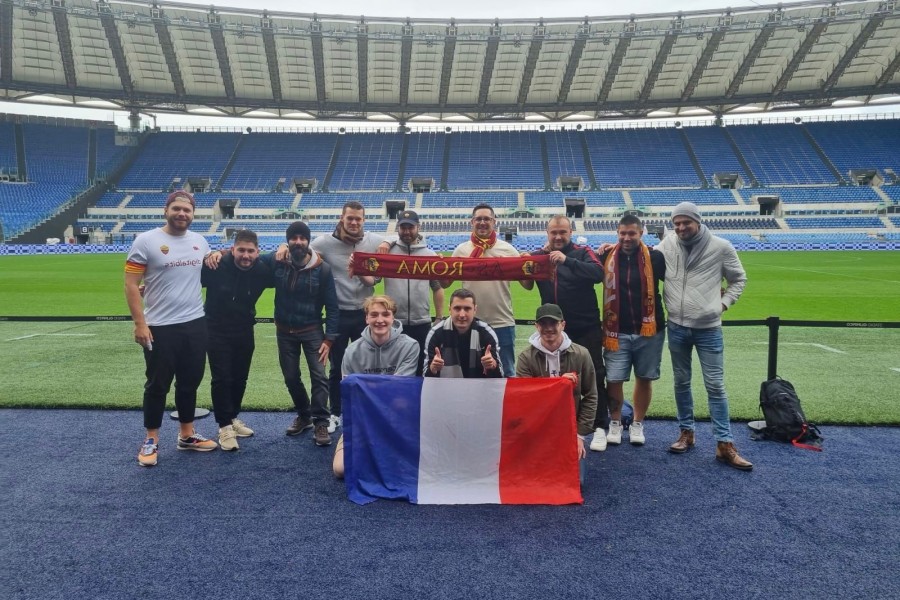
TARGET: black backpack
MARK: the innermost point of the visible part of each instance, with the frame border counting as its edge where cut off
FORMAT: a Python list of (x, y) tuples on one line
[(785, 421)]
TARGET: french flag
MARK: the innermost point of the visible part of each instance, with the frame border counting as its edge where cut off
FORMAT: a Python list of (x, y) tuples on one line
[(460, 441)]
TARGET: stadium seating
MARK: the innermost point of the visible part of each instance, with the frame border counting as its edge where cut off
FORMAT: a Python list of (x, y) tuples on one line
[(264, 158), (367, 162), (565, 157), (168, 155), (673, 197), (834, 223), (635, 158), (557, 199), (816, 195), (714, 153), (780, 154), (8, 147), (859, 144), (108, 154), (56, 154), (491, 160), (424, 157), (497, 200)]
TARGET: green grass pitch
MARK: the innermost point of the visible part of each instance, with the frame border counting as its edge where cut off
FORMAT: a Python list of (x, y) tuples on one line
[(842, 375)]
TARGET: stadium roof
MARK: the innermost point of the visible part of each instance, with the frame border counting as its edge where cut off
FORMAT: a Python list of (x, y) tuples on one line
[(176, 57)]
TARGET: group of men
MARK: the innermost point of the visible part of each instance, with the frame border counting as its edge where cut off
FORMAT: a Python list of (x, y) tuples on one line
[(572, 337)]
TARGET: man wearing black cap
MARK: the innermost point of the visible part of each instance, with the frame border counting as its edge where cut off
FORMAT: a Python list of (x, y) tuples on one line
[(303, 287), (696, 264), (411, 295), (550, 353), (168, 321)]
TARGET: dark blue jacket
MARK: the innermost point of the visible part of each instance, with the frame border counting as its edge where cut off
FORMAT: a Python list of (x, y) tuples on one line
[(301, 294), (573, 289)]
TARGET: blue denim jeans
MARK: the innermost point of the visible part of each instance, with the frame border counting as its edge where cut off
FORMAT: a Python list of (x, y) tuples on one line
[(507, 338), (711, 352)]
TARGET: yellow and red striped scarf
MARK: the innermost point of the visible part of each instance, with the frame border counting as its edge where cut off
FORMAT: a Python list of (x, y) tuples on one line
[(482, 245), (612, 298)]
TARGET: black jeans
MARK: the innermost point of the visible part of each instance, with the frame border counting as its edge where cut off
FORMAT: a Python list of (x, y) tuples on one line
[(418, 333), (230, 354), (290, 346), (179, 353), (592, 339), (350, 328)]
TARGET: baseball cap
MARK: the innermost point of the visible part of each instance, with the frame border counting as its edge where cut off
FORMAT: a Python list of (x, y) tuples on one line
[(408, 217), (549, 311)]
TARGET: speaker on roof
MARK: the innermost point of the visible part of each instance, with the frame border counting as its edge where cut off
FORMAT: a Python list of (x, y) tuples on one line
[(797, 120)]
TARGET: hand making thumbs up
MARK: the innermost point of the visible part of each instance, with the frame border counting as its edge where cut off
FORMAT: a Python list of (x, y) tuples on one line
[(487, 361), (437, 363)]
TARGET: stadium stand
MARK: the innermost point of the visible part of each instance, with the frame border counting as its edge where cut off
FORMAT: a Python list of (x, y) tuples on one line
[(8, 158), (56, 154), (860, 144), (816, 195), (565, 157), (108, 154), (424, 158), (264, 158), (673, 197), (780, 154), (714, 153), (367, 162), (591, 199), (834, 223), (170, 155), (651, 157), (488, 160), (468, 200)]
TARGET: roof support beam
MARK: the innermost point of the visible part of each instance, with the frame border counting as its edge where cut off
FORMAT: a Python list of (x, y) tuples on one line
[(889, 72), (661, 57), (115, 44), (758, 44), (711, 46), (490, 57), (613, 70), (447, 64), (860, 41), (406, 44), (362, 61), (268, 35), (534, 51), (168, 49), (61, 20), (6, 40), (571, 67), (799, 56), (318, 61), (218, 39)]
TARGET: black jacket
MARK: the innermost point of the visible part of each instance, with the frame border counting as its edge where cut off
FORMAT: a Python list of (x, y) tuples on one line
[(458, 350), (573, 289), (630, 288), (231, 293)]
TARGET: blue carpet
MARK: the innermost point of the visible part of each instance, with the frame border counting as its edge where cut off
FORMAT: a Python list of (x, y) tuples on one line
[(80, 519)]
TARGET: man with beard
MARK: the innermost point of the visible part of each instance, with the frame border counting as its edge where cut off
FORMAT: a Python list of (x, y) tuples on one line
[(633, 324), (352, 290), (495, 299), (411, 295), (169, 322), (232, 289), (696, 264), (578, 271), (302, 288)]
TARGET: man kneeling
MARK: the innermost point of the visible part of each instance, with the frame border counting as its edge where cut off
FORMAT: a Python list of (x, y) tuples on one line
[(382, 349)]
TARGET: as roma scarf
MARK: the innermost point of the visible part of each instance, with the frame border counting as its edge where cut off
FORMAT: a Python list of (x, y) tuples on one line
[(612, 298), (401, 266), (482, 245)]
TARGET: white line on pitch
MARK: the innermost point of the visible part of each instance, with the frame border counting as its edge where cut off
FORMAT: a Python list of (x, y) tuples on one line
[(819, 346), (34, 335), (895, 369)]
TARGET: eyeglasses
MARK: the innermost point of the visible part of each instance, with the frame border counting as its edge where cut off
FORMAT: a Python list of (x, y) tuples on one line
[(482, 219)]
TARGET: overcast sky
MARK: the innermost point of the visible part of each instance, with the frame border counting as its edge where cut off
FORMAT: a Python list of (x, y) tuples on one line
[(461, 9)]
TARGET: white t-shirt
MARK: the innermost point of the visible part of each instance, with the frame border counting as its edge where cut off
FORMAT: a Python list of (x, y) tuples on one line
[(493, 298), (171, 267)]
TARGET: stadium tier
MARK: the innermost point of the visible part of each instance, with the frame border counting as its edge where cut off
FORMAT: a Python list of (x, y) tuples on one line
[(566, 158), (780, 155), (652, 157), (715, 153), (860, 144), (170, 155), (264, 158), (495, 160), (367, 162)]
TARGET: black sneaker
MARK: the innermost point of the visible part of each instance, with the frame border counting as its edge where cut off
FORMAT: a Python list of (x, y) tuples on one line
[(321, 435), (299, 426)]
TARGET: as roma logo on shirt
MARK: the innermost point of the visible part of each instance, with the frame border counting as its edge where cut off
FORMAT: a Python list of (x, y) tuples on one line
[(164, 249), (196, 247)]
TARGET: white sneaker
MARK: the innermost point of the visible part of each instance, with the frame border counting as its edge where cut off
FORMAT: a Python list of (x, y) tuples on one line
[(598, 444), (614, 436), (333, 423), (228, 438), (240, 428), (636, 433)]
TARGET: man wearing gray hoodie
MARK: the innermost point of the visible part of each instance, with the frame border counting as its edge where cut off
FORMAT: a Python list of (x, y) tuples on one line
[(696, 264), (551, 353), (382, 349)]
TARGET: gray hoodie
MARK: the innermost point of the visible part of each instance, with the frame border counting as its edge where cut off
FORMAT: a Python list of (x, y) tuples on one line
[(413, 296), (398, 356), (351, 292), (693, 284)]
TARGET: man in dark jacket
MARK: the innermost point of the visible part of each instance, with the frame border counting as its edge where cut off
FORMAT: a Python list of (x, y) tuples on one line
[(232, 290), (633, 324), (461, 345), (578, 270), (302, 288)]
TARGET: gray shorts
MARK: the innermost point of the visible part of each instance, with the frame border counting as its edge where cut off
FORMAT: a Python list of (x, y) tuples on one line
[(644, 353)]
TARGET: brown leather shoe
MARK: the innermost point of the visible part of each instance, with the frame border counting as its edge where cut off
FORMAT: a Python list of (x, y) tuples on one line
[(320, 435), (684, 442), (727, 453)]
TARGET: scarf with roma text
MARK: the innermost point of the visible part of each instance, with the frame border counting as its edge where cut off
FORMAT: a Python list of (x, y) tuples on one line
[(612, 298), (401, 266), (482, 245)]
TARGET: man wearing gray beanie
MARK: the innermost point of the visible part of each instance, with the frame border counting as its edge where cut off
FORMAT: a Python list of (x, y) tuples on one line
[(696, 264)]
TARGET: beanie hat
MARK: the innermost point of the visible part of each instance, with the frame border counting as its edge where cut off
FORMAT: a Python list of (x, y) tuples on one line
[(297, 227), (687, 209)]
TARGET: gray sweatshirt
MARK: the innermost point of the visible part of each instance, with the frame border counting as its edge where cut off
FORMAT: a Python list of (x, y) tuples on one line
[(413, 296), (350, 292), (397, 356)]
